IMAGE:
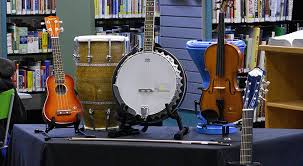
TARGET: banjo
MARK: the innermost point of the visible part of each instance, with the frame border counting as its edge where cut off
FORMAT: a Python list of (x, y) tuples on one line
[(151, 81)]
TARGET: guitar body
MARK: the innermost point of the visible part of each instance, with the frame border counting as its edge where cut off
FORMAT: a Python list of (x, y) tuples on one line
[(223, 88), (61, 103)]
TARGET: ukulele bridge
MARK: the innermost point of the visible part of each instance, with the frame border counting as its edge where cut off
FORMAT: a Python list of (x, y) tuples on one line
[(64, 112)]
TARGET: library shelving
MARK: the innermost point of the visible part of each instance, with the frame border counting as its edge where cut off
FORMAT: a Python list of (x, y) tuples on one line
[(285, 98)]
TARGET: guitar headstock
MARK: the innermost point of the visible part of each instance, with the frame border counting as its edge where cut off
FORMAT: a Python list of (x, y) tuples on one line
[(256, 88), (52, 24)]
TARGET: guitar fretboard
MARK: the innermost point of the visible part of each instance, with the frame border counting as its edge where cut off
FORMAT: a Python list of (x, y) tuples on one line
[(246, 136), (57, 60), (149, 26)]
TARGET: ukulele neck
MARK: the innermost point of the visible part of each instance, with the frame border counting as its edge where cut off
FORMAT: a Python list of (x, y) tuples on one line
[(57, 60)]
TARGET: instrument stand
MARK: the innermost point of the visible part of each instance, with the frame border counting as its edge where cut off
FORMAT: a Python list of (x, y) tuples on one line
[(52, 125), (125, 128), (214, 127), (182, 130)]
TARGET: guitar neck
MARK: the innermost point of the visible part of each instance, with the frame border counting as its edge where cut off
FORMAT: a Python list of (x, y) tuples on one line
[(57, 60), (246, 136), (149, 26)]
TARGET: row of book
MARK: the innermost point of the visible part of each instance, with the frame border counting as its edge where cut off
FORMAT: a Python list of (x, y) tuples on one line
[(122, 8), (22, 41), (135, 35), (248, 11), (32, 78), (24, 7)]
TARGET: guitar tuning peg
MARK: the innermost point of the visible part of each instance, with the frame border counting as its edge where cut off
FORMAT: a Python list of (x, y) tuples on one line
[(60, 22), (43, 30), (42, 23), (62, 29), (49, 29)]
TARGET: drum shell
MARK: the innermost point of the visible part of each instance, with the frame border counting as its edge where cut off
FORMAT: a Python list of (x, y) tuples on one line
[(94, 80)]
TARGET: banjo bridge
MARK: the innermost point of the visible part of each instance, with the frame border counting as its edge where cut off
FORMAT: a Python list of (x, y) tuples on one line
[(147, 90)]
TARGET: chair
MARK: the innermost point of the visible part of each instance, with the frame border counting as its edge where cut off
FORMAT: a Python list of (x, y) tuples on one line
[(6, 106)]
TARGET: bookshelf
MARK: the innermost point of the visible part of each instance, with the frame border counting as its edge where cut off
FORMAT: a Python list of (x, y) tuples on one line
[(124, 18), (284, 106), (25, 42)]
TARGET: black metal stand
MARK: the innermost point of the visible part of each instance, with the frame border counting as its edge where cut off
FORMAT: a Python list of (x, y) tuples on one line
[(125, 128), (52, 125)]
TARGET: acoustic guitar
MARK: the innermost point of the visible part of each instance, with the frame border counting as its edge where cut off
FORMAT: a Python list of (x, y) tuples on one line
[(255, 88), (62, 106)]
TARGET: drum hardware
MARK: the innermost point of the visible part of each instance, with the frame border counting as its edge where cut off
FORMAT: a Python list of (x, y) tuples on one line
[(107, 118), (89, 57), (92, 119), (76, 52), (109, 56)]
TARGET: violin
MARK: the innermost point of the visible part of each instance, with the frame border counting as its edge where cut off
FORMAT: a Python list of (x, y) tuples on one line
[(222, 100)]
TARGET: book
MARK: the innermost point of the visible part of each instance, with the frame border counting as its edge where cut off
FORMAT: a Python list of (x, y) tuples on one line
[(294, 39)]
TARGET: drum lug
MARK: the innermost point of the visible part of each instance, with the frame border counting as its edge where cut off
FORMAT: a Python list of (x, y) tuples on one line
[(89, 57), (109, 56), (107, 115), (144, 111), (91, 113), (76, 52)]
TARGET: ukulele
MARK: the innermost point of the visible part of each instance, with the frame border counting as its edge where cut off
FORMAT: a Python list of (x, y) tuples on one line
[(62, 106), (255, 88), (222, 100)]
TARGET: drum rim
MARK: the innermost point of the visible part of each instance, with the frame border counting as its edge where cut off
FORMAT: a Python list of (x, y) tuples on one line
[(161, 115), (86, 38)]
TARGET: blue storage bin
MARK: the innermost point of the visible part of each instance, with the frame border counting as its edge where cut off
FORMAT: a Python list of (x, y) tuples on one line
[(196, 49)]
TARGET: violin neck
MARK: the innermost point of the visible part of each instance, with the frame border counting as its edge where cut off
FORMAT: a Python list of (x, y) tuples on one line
[(220, 47)]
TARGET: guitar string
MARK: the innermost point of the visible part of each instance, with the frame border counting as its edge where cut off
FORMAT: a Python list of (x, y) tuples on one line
[(65, 98), (56, 72)]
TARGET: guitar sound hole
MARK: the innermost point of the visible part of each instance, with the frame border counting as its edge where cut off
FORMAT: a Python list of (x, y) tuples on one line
[(61, 89)]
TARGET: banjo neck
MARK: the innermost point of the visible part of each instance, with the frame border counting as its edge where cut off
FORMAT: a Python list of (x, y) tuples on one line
[(149, 26)]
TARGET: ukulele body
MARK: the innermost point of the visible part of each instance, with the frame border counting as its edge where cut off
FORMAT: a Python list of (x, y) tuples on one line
[(222, 88), (61, 103)]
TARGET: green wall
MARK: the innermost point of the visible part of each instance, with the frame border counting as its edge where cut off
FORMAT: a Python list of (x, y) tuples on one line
[(78, 19)]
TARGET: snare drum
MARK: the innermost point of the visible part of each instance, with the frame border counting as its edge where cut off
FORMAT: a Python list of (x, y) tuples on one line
[(146, 82), (96, 58)]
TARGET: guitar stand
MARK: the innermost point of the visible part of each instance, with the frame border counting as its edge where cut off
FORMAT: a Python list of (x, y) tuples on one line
[(52, 125), (182, 130)]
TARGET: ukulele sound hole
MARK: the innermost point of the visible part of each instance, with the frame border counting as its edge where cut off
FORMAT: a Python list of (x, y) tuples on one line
[(61, 89)]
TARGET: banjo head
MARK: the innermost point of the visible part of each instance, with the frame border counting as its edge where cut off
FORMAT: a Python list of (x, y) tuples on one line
[(146, 81)]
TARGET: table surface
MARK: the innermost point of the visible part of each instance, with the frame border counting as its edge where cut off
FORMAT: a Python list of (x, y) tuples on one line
[(271, 147)]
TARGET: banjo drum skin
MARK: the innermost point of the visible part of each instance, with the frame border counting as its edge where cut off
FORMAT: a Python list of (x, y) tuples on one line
[(146, 81)]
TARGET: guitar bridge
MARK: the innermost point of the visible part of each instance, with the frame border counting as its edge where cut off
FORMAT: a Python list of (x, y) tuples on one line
[(63, 112)]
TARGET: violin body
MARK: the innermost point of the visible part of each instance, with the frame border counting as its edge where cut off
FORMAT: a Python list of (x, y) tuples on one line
[(223, 87)]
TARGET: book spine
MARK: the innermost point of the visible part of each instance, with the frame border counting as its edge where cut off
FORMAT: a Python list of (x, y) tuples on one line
[(290, 9)]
